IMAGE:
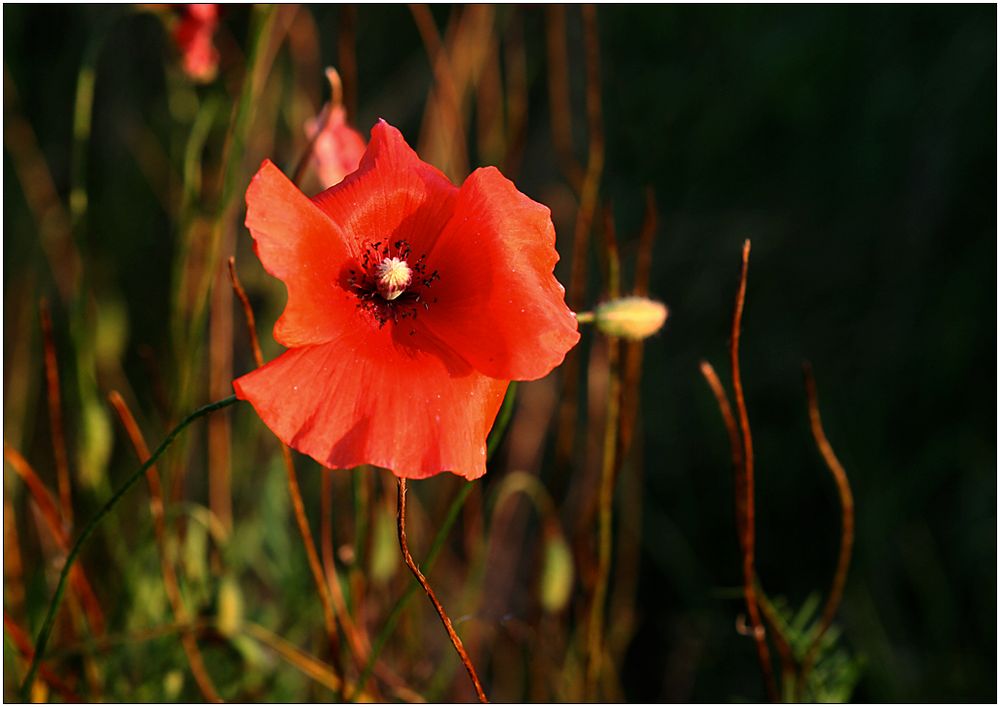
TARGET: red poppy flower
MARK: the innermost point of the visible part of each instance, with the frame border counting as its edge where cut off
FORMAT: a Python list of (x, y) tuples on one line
[(194, 37), (337, 149), (411, 305)]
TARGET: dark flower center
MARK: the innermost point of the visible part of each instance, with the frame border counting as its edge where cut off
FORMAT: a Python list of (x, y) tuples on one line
[(389, 285)]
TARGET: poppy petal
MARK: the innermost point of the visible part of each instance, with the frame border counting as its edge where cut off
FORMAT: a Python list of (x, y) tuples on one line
[(297, 243), (498, 305), (372, 398), (392, 196)]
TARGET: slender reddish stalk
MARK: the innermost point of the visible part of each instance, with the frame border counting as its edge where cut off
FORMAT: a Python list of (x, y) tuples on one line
[(329, 617), (846, 526), (781, 644), (84, 607), (329, 620), (23, 644), (39, 493), (408, 558), (13, 567), (248, 316), (735, 443), (50, 513), (55, 415), (170, 584), (747, 531)]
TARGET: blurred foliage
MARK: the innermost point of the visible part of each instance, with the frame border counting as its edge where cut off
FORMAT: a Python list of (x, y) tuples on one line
[(835, 672), (855, 145)]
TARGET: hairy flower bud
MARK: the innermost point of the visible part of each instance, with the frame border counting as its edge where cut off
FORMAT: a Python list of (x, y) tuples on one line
[(630, 317)]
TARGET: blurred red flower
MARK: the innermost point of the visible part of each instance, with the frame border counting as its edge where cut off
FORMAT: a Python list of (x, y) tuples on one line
[(194, 35), (338, 148), (411, 305)]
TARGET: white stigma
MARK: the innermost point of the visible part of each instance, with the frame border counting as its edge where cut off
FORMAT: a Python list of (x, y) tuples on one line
[(394, 277)]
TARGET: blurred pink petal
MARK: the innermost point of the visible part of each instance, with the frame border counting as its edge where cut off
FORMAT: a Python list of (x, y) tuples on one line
[(338, 148), (193, 35)]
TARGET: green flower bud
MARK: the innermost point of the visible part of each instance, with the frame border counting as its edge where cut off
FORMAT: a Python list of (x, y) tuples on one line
[(633, 318)]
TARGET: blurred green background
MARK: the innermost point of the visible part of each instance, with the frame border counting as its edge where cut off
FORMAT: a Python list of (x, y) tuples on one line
[(855, 147)]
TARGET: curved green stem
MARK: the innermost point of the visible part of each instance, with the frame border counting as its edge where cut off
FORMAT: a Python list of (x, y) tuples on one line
[(50, 616)]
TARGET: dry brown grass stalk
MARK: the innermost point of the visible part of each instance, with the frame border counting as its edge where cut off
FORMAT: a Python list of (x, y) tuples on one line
[(60, 534), (55, 415)]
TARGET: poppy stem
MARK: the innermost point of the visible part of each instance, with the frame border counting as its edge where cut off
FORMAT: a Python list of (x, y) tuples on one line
[(846, 529), (496, 436), (46, 631), (746, 485), (455, 640)]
